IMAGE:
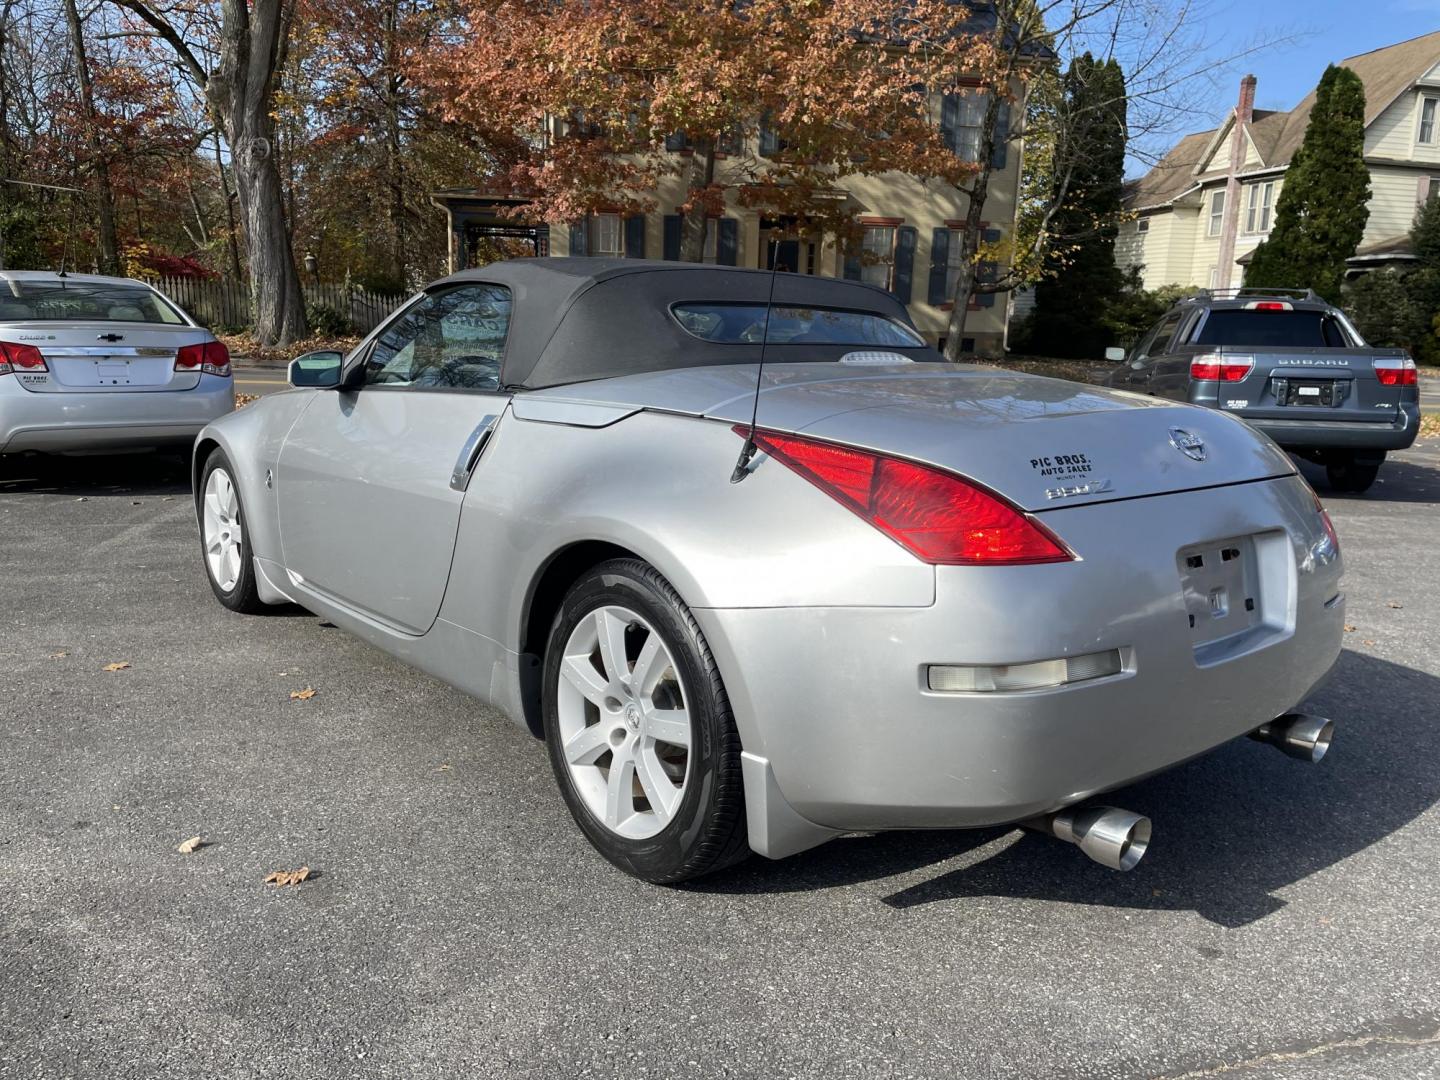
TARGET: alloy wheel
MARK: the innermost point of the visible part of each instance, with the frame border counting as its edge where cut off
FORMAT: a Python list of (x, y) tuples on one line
[(223, 531)]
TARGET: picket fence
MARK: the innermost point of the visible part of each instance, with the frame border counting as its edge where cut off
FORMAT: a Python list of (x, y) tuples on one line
[(225, 302)]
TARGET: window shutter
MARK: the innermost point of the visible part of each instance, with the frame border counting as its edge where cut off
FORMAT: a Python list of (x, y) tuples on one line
[(904, 275), (579, 233), (635, 237), (939, 264), (852, 267), (950, 121), (676, 141), (727, 244), (1002, 137), (991, 236), (986, 273), (672, 237)]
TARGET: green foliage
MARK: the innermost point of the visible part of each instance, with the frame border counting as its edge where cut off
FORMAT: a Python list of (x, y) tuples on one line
[(1082, 279), (1135, 309), (326, 321), (1324, 202), (1401, 307), (21, 236)]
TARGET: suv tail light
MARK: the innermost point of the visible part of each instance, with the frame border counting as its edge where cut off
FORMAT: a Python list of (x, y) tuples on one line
[(1396, 371), (937, 516), (15, 357), (1212, 368), (212, 358)]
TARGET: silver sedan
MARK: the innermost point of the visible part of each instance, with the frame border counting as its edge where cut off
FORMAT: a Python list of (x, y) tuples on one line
[(759, 569), (99, 363)]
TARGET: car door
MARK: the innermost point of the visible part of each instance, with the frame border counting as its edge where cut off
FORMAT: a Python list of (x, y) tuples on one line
[(1169, 368), (371, 476), (1136, 372)]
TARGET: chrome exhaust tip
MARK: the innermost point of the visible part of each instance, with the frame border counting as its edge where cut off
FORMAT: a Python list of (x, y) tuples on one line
[(1112, 837), (1299, 735)]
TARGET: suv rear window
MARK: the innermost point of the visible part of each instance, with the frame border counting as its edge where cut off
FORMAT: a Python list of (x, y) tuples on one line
[(1280, 329), (83, 301), (735, 324)]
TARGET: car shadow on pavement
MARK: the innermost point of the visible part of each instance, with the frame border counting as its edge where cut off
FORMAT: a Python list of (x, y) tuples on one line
[(1233, 829), (1412, 478), (96, 475)]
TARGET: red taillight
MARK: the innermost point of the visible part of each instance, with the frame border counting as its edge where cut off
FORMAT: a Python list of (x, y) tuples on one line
[(1396, 371), (212, 358), (1268, 305), (937, 516), (15, 357), (1221, 368)]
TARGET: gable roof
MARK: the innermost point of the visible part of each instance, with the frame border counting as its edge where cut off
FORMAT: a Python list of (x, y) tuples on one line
[(1386, 73)]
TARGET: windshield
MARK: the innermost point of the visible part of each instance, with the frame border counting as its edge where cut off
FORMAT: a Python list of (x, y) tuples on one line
[(83, 301), (1279, 329), (745, 323)]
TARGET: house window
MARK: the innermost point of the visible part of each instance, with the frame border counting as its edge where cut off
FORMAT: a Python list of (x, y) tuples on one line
[(1431, 190), (1143, 225), (1217, 212), (1214, 277), (712, 240), (878, 255), (1257, 207), (1428, 107), (607, 236), (961, 122)]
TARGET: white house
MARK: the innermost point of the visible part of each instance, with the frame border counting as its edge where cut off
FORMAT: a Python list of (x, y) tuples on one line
[(1210, 201)]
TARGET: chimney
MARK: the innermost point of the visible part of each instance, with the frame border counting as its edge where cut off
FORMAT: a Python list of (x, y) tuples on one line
[(1245, 107)]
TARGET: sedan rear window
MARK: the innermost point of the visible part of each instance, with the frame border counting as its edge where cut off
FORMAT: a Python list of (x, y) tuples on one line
[(1280, 329), (83, 301), (745, 324)]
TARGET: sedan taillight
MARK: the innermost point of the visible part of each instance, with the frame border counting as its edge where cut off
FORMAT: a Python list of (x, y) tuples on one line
[(937, 516), (1396, 371), (15, 357), (212, 358), (1221, 368)]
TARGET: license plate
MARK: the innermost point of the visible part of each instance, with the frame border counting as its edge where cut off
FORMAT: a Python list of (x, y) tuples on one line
[(1221, 583), (112, 372), (1315, 392)]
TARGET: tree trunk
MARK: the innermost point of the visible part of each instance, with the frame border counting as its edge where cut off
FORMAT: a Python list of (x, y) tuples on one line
[(105, 196), (693, 223), (969, 238), (394, 160), (232, 237), (241, 94)]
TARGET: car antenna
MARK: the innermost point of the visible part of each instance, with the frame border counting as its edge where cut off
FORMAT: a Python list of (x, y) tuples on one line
[(747, 451)]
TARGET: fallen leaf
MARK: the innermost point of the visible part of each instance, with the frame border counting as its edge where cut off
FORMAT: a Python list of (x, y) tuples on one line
[(59, 655), (287, 877), (1349, 629), (1393, 604), (1367, 641), (444, 768), (119, 665), (302, 695), (83, 498), (191, 845)]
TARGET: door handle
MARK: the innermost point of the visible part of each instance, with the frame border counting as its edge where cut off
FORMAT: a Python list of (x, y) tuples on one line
[(470, 452)]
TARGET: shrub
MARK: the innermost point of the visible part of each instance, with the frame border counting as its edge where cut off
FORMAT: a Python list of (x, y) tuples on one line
[(326, 321)]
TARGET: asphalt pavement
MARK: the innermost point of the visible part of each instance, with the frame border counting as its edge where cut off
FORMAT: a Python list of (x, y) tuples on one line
[(1285, 923)]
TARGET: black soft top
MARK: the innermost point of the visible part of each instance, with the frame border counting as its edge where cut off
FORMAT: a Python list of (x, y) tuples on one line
[(577, 319)]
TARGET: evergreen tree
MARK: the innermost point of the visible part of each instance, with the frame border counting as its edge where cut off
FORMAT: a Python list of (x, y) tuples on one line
[(1324, 202), (1083, 279)]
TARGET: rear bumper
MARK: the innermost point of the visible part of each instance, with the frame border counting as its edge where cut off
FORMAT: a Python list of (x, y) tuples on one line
[(1343, 434), (71, 421), (835, 700)]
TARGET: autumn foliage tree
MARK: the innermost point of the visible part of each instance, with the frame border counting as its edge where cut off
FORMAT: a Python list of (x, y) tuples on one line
[(768, 102)]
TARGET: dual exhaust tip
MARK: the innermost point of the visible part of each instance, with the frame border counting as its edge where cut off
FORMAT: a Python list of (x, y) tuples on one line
[(1118, 838)]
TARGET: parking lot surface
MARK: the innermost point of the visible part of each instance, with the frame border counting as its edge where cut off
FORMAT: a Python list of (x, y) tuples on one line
[(1285, 923)]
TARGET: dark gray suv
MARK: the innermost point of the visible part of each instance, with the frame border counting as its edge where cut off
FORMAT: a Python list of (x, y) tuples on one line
[(1289, 364)]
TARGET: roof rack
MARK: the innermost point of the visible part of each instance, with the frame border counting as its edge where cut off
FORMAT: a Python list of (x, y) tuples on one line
[(1232, 294)]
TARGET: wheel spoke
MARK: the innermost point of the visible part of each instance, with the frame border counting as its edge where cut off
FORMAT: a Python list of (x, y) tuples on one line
[(610, 629), (671, 726), (662, 794), (587, 746), (652, 662), (232, 566), (580, 673), (619, 792)]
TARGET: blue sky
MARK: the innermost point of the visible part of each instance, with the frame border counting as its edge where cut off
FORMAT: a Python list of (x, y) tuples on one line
[(1318, 32)]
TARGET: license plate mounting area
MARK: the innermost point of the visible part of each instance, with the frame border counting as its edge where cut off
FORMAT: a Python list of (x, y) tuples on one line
[(1221, 585)]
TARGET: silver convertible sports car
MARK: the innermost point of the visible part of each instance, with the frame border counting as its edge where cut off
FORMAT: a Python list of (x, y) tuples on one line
[(882, 592)]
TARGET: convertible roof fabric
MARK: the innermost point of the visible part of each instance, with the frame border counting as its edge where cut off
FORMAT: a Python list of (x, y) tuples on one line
[(577, 319)]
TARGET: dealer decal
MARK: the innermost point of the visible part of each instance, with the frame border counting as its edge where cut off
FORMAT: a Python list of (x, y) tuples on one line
[(1062, 465)]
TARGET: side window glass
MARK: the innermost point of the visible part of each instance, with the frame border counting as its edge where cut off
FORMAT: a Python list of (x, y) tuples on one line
[(1142, 350), (1164, 332), (451, 340), (1334, 336)]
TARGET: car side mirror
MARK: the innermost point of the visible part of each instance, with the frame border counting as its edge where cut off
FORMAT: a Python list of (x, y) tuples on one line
[(1115, 354), (316, 369)]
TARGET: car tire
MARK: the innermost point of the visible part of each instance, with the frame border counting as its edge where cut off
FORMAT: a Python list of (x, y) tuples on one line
[(609, 727), (224, 542), (1348, 474)]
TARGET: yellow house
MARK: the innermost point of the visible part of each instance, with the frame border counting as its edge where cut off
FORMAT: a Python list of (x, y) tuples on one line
[(1210, 201), (908, 225)]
